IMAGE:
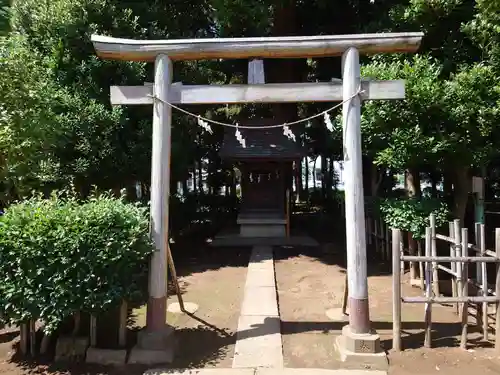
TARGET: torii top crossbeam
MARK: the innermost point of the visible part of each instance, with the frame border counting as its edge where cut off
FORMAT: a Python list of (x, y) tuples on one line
[(263, 47)]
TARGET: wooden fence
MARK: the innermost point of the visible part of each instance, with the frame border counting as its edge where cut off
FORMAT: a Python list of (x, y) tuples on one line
[(28, 332), (388, 244)]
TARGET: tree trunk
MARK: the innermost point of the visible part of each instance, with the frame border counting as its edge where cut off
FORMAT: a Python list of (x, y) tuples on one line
[(324, 177), (132, 192), (232, 185), (194, 179), (314, 174), (462, 184), (388, 183), (367, 172), (377, 176), (306, 178), (298, 181), (331, 175), (448, 184), (200, 176), (434, 181), (412, 184)]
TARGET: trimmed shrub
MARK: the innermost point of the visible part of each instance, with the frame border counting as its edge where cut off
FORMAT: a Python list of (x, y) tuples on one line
[(59, 256)]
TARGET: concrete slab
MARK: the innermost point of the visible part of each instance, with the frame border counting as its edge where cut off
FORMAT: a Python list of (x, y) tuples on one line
[(258, 343), (163, 339), (106, 356), (261, 253), (315, 371), (201, 371), (258, 338), (260, 301), (261, 371), (259, 327), (361, 343), (150, 357), (260, 276), (375, 361)]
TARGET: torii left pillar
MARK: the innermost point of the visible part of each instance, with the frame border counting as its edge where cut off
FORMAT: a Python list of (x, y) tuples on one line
[(358, 344), (155, 344)]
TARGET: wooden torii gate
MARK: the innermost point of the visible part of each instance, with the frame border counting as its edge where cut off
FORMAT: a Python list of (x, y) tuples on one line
[(356, 336)]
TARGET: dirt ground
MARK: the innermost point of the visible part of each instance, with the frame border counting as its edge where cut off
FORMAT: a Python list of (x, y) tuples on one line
[(213, 279), (312, 282), (215, 283)]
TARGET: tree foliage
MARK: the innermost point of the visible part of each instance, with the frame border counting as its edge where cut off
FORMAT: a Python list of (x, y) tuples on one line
[(445, 127), (413, 214)]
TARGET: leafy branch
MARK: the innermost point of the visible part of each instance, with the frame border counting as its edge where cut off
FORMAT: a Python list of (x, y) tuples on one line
[(412, 214)]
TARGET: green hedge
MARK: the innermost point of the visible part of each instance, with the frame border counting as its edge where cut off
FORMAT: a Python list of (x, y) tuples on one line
[(59, 256)]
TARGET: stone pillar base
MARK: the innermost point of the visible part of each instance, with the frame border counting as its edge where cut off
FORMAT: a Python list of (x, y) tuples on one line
[(361, 350), (155, 347), (106, 356)]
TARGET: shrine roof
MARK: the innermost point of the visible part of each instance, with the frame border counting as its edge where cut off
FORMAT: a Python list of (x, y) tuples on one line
[(260, 143)]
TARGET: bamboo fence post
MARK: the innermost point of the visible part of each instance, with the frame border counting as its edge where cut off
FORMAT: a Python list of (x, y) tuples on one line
[(412, 251), (428, 288), (385, 240), (435, 273), (484, 284), (287, 207), (396, 290), (453, 266), (369, 230), (382, 240), (479, 277), (421, 265), (401, 254), (497, 291), (465, 286), (388, 243), (456, 252)]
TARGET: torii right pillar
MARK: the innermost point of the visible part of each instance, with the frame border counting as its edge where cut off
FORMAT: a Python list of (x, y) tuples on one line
[(358, 344)]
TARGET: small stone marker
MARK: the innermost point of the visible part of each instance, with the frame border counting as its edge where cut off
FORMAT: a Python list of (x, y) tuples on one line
[(69, 348), (106, 356)]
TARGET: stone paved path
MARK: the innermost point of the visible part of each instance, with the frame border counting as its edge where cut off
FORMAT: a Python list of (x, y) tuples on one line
[(258, 342)]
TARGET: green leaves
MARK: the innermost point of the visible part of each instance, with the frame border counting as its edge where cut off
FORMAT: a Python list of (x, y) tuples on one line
[(447, 122), (412, 214), (59, 256), (473, 97), (401, 133), (4, 17)]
